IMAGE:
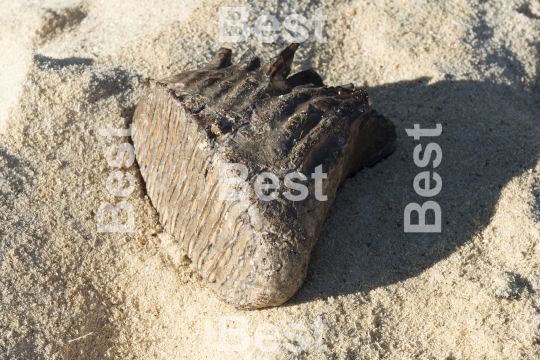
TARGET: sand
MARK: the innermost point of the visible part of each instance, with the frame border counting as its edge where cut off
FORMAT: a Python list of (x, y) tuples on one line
[(69, 69)]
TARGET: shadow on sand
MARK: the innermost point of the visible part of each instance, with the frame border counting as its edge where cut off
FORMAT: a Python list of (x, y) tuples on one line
[(491, 133)]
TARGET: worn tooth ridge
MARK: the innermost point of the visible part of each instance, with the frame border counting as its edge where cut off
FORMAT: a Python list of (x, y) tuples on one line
[(253, 253)]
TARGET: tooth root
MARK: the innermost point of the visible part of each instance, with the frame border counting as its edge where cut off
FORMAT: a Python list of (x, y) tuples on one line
[(249, 62), (281, 68), (305, 77), (221, 59)]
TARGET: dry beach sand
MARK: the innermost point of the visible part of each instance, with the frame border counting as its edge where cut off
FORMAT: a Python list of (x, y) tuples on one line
[(67, 291)]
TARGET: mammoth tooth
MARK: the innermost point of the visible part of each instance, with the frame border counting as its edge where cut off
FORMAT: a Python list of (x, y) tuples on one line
[(281, 68), (221, 59), (196, 130), (250, 62)]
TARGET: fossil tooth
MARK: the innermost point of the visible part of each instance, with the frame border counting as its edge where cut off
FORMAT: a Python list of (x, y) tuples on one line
[(221, 59), (304, 78), (281, 68), (250, 62), (253, 253)]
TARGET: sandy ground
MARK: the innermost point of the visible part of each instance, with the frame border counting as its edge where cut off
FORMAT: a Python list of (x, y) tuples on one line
[(69, 69)]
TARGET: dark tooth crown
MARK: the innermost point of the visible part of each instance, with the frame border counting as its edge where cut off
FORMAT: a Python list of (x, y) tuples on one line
[(253, 253)]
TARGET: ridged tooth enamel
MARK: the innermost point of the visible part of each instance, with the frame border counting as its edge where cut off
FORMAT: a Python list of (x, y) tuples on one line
[(254, 253)]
